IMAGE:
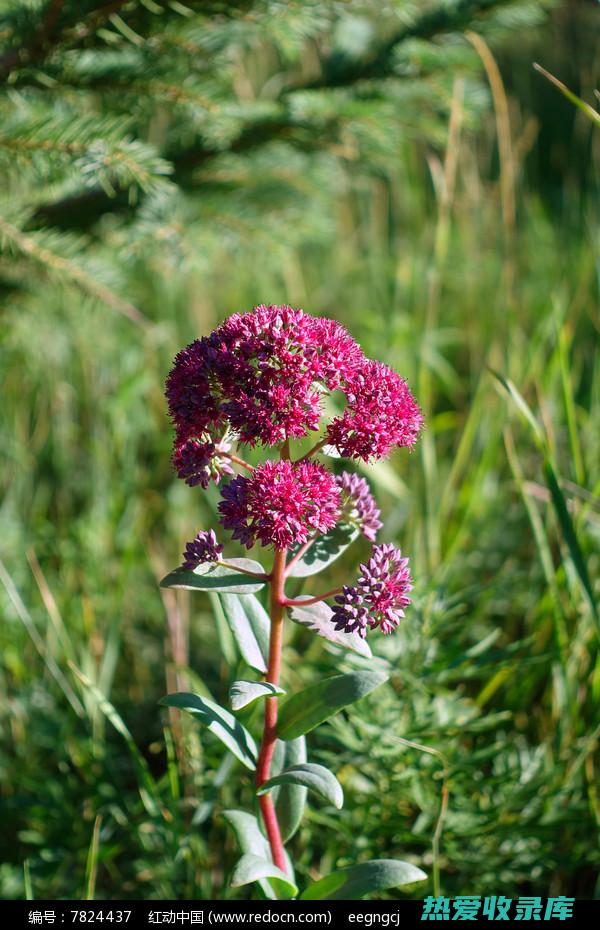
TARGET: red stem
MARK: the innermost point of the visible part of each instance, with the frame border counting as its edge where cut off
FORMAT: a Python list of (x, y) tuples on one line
[(237, 460), (311, 600), (277, 603), (301, 551)]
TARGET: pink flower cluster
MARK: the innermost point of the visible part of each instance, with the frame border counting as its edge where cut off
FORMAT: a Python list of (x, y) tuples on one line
[(271, 365), (280, 504), (381, 413), (260, 376)]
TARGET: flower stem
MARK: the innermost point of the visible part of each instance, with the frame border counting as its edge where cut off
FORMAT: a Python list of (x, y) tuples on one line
[(289, 602), (237, 460), (277, 603), (300, 553)]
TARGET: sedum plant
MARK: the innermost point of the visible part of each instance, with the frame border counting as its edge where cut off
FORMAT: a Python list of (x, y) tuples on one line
[(261, 379)]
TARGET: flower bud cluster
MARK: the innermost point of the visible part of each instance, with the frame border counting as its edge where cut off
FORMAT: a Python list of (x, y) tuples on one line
[(380, 595), (204, 548), (359, 507)]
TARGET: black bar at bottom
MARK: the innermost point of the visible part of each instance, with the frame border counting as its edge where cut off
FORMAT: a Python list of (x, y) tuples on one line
[(349, 915)]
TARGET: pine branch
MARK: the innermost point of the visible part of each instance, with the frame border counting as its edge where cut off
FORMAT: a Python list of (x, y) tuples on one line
[(337, 72), (85, 208), (77, 26), (75, 150), (29, 247), (54, 30), (39, 42), (342, 71)]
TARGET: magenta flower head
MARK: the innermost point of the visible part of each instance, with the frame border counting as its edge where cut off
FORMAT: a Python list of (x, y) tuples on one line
[(271, 366), (280, 504), (204, 548), (380, 595), (261, 376), (350, 613), (381, 413), (193, 403), (261, 371)]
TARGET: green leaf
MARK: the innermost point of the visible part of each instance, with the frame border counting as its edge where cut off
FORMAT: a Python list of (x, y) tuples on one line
[(573, 98), (250, 626), (220, 722), (213, 577), (289, 799), (247, 833), (243, 692), (251, 840), (571, 539), (356, 881), (305, 710), (325, 550), (317, 617), (523, 408), (227, 645), (309, 775), (251, 868)]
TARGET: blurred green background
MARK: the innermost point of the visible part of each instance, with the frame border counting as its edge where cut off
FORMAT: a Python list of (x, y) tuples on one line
[(401, 167)]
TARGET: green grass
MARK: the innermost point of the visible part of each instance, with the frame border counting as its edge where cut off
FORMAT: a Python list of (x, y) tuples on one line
[(479, 762)]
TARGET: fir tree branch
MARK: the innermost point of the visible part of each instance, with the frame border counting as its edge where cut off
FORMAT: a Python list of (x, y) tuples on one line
[(77, 25), (336, 71), (83, 209), (38, 44), (30, 248), (51, 33), (341, 71), (19, 144)]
